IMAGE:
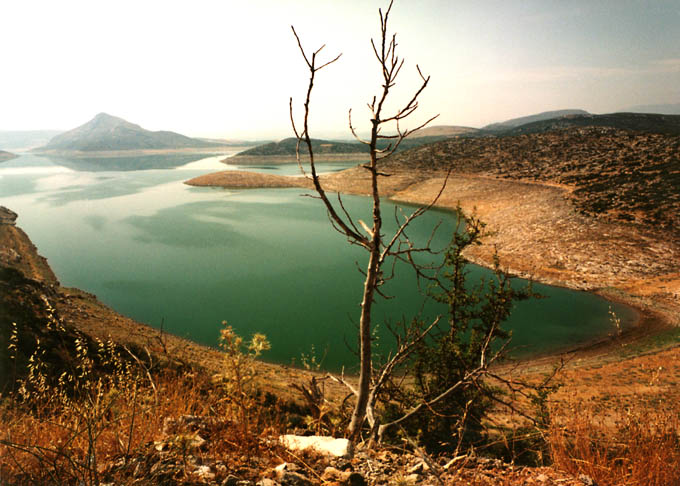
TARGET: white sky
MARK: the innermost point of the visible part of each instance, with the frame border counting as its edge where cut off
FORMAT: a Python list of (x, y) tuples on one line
[(227, 68)]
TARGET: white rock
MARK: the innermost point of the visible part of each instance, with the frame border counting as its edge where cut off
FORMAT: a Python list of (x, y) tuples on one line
[(204, 472), (325, 445)]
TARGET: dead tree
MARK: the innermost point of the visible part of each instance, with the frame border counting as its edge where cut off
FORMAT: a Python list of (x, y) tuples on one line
[(485, 334), (379, 246)]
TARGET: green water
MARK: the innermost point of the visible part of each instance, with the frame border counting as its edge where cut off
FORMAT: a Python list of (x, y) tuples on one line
[(265, 260)]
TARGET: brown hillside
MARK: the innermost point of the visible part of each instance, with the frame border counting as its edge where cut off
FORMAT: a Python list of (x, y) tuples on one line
[(616, 174)]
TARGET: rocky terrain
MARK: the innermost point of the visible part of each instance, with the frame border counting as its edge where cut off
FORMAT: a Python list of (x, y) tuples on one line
[(283, 152), (443, 131), (105, 133), (287, 146), (613, 174), (642, 122), (516, 122)]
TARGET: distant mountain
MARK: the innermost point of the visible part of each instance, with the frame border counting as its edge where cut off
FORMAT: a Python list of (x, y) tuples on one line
[(442, 131), (641, 122), (664, 109), (25, 139), (546, 115), (109, 133), (6, 156)]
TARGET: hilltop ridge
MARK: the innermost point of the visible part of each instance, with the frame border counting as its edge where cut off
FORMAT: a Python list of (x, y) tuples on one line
[(639, 122), (622, 175), (523, 120)]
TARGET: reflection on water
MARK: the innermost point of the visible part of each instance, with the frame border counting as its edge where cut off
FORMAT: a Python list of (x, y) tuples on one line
[(265, 260), (141, 162)]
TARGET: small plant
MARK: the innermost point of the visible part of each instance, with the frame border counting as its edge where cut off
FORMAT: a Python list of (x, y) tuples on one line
[(239, 381), (78, 400), (616, 322), (310, 361)]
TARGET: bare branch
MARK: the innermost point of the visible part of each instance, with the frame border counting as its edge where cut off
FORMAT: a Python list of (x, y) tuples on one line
[(409, 219), (354, 133)]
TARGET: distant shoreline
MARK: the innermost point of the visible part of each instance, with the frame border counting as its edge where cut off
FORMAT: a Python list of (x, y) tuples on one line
[(291, 159), (216, 150)]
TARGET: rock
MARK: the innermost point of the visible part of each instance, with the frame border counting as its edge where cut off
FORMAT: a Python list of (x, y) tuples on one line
[(412, 478), (267, 482), (286, 475), (230, 480), (343, 478), (586, 480), (332, 474), (286, 466), (324, 445), (204, 473), (453, 462), (290, 478), (355, 479), (7, 216), (418, 468)]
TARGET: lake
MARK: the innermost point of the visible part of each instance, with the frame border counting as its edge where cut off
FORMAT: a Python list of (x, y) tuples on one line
[(265, 260)]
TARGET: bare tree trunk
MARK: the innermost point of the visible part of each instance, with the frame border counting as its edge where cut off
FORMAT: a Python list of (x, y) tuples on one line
[(374, 243), (365, 369), (370, 284)]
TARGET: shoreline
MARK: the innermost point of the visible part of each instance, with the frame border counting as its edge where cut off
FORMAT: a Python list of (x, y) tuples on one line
[(292, 159)]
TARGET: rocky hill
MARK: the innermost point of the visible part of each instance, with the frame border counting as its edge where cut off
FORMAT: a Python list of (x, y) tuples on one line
[(287, 146), (109, 133), (617, 174), (443, 131), (6, 156), (516, 122), (284, 150), (642, 122)]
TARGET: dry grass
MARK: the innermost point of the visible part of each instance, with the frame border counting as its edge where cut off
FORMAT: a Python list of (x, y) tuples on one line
[(111, 417), (640, 449)]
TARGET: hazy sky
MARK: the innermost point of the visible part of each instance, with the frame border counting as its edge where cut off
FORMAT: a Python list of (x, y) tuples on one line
[(227, 68)]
